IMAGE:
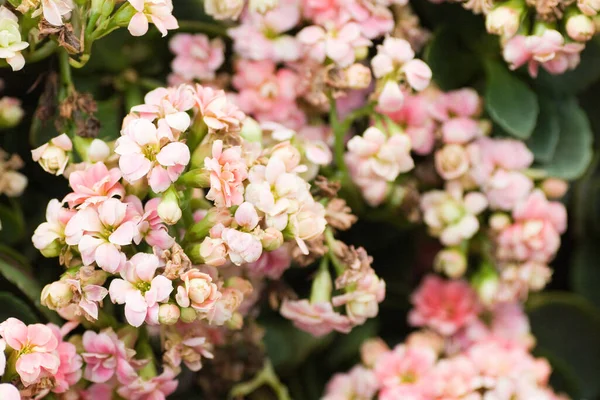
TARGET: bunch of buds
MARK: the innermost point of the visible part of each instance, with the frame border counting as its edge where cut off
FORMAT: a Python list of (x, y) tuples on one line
[(450, 357)]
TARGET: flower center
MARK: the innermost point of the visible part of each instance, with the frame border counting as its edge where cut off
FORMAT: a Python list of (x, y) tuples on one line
[(142, 286)]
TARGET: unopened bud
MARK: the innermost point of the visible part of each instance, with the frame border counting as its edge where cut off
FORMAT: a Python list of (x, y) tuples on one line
[(589, 7), (54, 155), (358, 76), (555, 188), (168, 314), (92, 150), (451, 262), (251, 130), (321, 287), (138, 188), (224, 9), (214, 216), (188, 315), (271, 239), (503, 21), (235, 322), (360, 53), (168, 209), (371, 349), (499, 221), (196, 178), (56, 295), (580, 27), (11, 112)]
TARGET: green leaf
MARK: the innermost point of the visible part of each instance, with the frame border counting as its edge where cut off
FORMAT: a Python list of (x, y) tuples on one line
[(110, 116), (545, 137), (452, 64), (574, 150), (567, 327), (509, 101), (14, 307), (17, 275), (585, 271)]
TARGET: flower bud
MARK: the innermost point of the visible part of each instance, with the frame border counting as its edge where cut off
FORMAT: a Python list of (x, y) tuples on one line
[(485, 282), (391, 98), (499, 221), (321, 287), (224, 9), (418, 74), (451, 161), (188, 315), (168, 314), (358, 76), (11, 112), (235, 322), (288, 154), (555, 188), (56, 295), (138, 189), (589, 7), (53, 249), (580, 27), (371, 349), (54, 155), (213, 217), (262, 6), (211, 251), (271, 239), (360, 53), (196, 178), (92, 150), (504, 21), (451, 262), (168, 209), (251, 130)]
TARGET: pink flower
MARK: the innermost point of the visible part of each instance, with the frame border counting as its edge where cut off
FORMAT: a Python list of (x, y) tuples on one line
[(94, 185), (150, 226), (537, 207), (374, 152), (90, 297), (196, 56), (54, 155), (242, 247), (143, 154), (37, 347), (228, 170), (450, 216), (271, 264), (462, 103), (49, 237), (362, 300), (504, 190), (218, 113), (159, 12), (54, 10), (392, 54), (269, 94), (198, 291), (171, 104), (318, 319), (140, 290), (69, 370), (444, 306), (452, 161), (188, 343), (358, 384), (461, 130), (157, 388), (9, 392), (455, 378), (404, 367), (391, 97), (105, 356), (100, 231), (488, 154), (338, 43)]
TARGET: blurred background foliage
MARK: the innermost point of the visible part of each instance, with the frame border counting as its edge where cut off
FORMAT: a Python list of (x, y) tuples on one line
[(558, 116)]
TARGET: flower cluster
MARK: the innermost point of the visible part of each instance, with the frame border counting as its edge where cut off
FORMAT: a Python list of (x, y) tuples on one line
[(458, 355)]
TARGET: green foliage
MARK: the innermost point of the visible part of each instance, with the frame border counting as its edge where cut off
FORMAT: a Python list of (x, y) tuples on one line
[(14, 307)]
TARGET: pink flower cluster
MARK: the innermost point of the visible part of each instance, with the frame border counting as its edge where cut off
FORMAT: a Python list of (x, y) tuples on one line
[(196, 58), (461, 357)]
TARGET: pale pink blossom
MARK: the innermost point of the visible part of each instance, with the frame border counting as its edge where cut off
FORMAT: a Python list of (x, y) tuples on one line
[(269, 94), (37, 348), (391, 98), (358, 384), (227, 305), (228, 171), (49, 237), (159, 12), (9, 392), (187, 343), (452, 161), (100, 231), (271, 264), (404, 367), (461, 130), (218, 113), (90, 297), (150, 226), (505, 189), (198, 291), (140, 290), (105, 356), (308, 223), (12, 44), (213, 250), (54, 155), (157, 388), (455, 378), (486, 155), (94, 185), (338, 43), (362, 299), (55, 10), (2, 356), (318, 319), (450, 216), (462, 103), (224, 9), (261, 36), (242, 247), (445, 306), (196, 56), (171, 104), (70, 368)]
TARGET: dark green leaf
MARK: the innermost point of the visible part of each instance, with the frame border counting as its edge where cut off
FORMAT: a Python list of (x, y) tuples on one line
[(585, 271), (510, 102), (545, 137), (574, 150), (14, 307), (567, 327), (17, 275), (451, 63), (110, 116), (13, 225)]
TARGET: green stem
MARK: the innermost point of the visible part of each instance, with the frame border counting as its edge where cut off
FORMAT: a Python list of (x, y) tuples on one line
[(330, 241), (144, 351), (204, 27), (65, 73), (43, 52), (266, 376)]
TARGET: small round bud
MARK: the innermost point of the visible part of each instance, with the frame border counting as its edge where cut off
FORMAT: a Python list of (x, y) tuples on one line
[(168, 314), (168, 209), (451, 262), (503, 21), (11, 112), (358, 76), (271, 239), (188, 315), (580, 27), (56, 295), (499, 221), (360, 53), (251, 130), (555, 188)]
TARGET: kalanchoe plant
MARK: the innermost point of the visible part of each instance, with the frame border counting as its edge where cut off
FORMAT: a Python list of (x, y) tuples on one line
[(296, 186)]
